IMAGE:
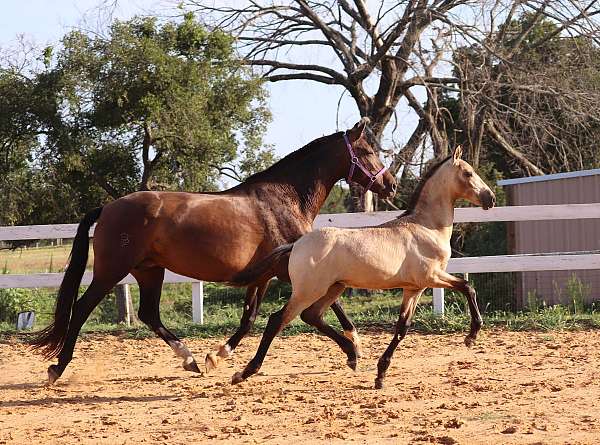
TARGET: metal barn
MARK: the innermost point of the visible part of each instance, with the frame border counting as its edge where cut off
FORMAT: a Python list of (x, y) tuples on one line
[(579, 187)]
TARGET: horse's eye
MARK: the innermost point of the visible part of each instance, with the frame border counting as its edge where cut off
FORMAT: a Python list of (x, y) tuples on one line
[(468, 174)]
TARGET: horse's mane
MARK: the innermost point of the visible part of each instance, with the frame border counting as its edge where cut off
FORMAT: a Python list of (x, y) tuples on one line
[(414, 199), (292, 159)]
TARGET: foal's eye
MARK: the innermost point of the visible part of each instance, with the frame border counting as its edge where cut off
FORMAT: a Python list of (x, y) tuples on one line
[(468, 174)]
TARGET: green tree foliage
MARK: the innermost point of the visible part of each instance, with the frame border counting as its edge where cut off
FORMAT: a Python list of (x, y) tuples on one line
[(338, 200), (162, 106)]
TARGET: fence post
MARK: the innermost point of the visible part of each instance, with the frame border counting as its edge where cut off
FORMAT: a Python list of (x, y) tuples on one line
[(198, 302), (438, 301), (124, 305)]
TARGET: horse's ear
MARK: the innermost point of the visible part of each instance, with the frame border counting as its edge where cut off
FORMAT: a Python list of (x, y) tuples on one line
[(358, 130), (457, 153)]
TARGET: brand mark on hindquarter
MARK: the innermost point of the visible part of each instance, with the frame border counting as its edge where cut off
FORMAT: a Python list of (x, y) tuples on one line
[(124, 239)]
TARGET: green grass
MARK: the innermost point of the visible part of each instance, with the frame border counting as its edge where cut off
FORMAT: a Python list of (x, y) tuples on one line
[(377, 312)]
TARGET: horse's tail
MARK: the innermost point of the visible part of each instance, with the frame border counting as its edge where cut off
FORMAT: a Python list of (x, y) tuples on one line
[(51, 340), (262, 270)]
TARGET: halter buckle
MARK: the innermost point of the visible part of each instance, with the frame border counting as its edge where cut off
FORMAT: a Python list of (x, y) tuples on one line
[(354, 161)]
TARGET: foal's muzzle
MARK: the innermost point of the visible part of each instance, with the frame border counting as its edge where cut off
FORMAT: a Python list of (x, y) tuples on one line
[(488, 199)]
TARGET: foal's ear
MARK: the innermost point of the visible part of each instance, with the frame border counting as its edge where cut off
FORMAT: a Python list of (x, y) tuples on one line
[(358, 130), (457, 153)]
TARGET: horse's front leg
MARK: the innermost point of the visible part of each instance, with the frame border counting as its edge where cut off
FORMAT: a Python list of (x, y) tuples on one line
[(347, 325), (254, 296), (410, 298), (446, 280)]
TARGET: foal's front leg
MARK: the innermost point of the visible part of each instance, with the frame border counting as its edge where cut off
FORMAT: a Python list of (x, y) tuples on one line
[(446, 280), (410, 298)]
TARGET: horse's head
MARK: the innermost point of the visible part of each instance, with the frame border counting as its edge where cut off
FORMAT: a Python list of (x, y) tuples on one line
[(364, 165), (467, 184)]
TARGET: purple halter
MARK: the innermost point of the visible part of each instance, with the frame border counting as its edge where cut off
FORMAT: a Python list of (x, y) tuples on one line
[(354, 162)]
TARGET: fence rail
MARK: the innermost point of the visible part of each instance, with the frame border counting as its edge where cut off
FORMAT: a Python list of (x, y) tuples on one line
[(505, 263), (461, 215)]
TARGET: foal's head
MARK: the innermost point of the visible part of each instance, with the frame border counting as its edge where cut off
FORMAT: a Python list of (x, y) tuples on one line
[(364, 165), (466, 184)]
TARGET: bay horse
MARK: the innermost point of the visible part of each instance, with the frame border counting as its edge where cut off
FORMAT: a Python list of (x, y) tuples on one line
[(207, 236), (410, 252)]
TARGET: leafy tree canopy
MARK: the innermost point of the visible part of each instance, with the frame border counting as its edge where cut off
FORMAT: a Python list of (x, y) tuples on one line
[(154, 105)]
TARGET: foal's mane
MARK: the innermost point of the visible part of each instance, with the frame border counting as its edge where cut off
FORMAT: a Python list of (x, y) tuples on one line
[(414, 199), (293, 159)]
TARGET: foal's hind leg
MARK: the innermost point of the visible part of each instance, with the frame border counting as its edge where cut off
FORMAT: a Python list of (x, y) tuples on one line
[(410, 299), (150, 281), (313, 315), (277, 321), (347, 325), (82, 309), (254, 296)]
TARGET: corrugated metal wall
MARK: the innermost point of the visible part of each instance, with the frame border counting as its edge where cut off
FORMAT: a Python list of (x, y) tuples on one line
[(555, 236)]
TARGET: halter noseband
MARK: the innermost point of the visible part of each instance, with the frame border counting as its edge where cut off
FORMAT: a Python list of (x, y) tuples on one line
[(354, 162)]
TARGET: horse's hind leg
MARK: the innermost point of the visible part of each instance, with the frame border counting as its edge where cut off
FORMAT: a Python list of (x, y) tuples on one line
[(313, 315), (347, 325), (150, 281), (82, 308), (410, 299), (254, 296)]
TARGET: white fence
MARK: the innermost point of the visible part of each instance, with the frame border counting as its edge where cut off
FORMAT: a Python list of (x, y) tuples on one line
[(63, 231), (506, 263)]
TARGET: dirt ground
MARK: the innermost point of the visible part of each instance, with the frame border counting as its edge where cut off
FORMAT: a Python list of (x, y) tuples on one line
[(512, 388)]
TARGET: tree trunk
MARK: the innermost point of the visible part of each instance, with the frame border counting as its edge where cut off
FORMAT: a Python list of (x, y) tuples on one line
[(360, 201)]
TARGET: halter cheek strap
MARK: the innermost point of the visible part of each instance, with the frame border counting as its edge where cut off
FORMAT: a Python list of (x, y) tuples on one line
[(354, 162)]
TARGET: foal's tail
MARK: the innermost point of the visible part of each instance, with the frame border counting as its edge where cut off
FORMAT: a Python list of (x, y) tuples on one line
[(262, 270), (51, 340)]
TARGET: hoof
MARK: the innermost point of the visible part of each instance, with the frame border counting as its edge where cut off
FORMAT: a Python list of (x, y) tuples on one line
[(354, 338), (378, 383), (212, 361), (225, 351), (237, 378), (359, 352), (53, 374), (469, 341), (189, 364), (351, 364)]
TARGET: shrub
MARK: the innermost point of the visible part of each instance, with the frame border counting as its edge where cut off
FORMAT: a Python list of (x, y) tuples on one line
[(13, 301)]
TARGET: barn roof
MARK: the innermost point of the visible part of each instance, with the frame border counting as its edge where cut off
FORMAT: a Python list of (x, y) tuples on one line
[(553, 177)]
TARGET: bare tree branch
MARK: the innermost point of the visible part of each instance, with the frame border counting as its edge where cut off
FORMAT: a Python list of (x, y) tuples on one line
[(466, 51), (513, 152)]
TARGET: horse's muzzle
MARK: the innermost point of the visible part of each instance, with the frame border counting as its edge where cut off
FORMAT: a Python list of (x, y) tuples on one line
[(389, 191), (488, 199)]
